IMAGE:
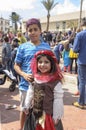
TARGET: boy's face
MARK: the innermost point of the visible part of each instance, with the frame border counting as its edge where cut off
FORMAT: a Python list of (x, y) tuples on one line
[(34, 33)]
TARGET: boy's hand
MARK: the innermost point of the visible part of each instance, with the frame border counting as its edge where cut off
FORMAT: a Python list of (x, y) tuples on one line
[(28, 77)]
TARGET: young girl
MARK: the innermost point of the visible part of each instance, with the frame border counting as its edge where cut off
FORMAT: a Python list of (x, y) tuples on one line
[(46, 92), (66, 58)]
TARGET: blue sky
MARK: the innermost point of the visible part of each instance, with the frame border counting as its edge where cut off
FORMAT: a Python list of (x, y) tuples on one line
[(34, 8)]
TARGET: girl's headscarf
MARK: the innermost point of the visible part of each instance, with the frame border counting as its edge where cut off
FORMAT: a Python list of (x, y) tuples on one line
[(50, 77)]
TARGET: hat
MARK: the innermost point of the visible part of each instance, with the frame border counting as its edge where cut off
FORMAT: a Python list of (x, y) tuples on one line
[(46, 52), (33, 21)]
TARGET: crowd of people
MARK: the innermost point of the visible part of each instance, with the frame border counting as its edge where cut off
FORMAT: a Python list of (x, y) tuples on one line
[(34, 58)]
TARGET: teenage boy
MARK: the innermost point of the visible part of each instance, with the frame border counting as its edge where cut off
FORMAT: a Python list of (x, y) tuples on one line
[(24, 55)]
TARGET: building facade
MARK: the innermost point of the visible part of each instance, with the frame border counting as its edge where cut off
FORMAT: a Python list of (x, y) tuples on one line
[(60, 22), (4, 25)]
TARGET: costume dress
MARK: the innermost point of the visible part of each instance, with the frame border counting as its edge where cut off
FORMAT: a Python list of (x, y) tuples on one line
[(47, 94)]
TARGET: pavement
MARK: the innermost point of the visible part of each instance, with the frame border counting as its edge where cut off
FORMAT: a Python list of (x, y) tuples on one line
[(74, 118)]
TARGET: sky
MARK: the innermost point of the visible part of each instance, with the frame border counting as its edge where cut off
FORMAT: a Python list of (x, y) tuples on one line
[(34, 8)]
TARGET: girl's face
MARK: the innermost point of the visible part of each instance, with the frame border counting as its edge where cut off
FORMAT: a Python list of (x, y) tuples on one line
[(44, 65), (34, 33)]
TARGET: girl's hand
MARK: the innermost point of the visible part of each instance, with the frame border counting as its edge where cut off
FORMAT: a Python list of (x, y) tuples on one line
[(26, 111), (55, 121)]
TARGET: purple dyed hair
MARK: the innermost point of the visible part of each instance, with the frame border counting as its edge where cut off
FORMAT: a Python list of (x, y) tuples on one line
[(33, 21)]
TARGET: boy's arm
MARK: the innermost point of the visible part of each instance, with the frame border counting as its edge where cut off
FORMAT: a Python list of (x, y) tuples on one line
[(27, 77), (17, 68)]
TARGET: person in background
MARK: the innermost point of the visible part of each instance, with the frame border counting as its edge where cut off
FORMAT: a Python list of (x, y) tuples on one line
[(73, 56), (26, 35), (49, 37), (13, 55), (24, 55), (21, 38), (6, 54), (58, 48), (80, 47), (73, 59), (46, 91), (66, 58)]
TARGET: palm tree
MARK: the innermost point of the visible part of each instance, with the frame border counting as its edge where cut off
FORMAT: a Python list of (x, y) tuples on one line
[(15, 18), (81, 3), (49, 5)]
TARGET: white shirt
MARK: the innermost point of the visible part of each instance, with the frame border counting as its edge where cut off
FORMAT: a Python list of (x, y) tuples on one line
[(58, 106)]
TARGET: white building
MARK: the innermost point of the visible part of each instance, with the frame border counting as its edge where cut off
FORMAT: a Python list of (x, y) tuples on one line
[(60, 22), (4, 25)]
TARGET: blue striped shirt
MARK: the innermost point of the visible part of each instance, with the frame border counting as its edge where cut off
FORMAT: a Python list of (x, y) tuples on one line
[(24, 55)]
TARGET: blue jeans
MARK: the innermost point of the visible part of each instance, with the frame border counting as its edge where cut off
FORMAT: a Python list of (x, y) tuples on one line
[(82, 84)]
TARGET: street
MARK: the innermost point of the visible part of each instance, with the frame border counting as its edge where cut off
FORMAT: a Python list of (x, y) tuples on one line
[(74, 118)]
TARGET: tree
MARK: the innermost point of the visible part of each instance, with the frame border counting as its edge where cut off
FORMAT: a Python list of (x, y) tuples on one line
[(81, 3), (15, 18), (49, 5), (72, 24)]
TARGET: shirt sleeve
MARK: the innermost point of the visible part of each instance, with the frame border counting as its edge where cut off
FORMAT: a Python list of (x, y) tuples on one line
[(19, 55), (61, 48), (76, 46), (29, 97), (58, 107)]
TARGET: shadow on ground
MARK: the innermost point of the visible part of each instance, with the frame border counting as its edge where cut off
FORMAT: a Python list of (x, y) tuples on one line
[(69, 98), (9, 98)]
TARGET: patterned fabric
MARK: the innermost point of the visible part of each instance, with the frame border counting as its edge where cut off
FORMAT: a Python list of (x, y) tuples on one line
[(38, 101), (43, 98)]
